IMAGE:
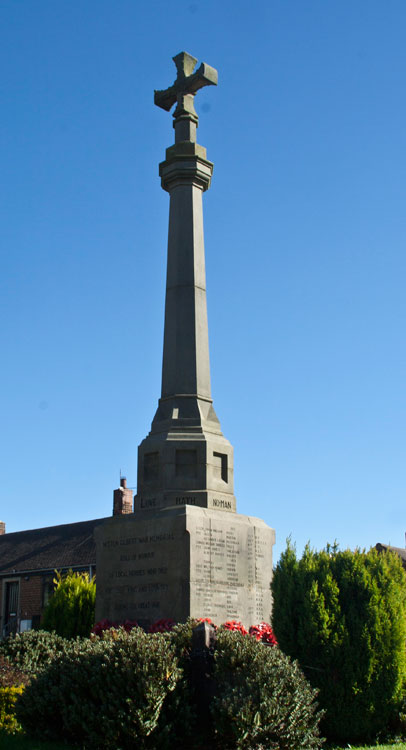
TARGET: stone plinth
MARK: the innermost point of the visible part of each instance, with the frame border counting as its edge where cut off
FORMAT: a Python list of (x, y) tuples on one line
[(181, 562)]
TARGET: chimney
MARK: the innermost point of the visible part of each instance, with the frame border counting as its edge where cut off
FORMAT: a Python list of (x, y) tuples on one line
[(2, 528), (122, 499)]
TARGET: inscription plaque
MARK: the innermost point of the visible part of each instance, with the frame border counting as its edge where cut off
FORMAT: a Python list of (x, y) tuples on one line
[(184, 561)]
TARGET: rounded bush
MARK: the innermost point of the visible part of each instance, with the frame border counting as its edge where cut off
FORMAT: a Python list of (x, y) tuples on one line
[(262, 699), (107, 692)]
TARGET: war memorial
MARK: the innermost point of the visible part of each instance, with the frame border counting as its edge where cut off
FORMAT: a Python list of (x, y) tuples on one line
[(185, 551)]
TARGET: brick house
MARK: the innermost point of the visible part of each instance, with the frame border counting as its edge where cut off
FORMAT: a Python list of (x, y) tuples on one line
[(397, 550), (29, 559)]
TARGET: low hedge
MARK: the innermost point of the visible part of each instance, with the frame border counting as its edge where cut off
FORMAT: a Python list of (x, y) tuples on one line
[(33, 650), (106, 692), (125, 690)]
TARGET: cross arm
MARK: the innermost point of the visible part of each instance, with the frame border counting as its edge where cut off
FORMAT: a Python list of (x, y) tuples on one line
[(204, 76), (165, 99)]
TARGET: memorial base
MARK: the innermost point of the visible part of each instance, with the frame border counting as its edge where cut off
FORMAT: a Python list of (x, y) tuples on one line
[(181, 562)]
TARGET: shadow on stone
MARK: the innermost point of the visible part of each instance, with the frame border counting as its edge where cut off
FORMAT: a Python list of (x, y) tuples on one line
[(201, 676)]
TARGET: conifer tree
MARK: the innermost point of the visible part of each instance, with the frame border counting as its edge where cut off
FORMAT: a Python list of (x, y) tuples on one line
[(342, 614), (70, 610)]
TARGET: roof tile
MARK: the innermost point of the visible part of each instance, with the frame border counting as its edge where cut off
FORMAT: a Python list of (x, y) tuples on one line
[(50, 548)]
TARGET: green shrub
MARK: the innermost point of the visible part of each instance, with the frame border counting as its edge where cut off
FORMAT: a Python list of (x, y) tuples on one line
[(10, 675), (262, 699), (70, 610), (33, 650), (107, 692), (178, 721), (8, 699), (343, 616), (125, 690)]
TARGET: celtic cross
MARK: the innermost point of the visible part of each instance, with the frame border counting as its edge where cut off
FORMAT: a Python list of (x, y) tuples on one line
[(184, 89)]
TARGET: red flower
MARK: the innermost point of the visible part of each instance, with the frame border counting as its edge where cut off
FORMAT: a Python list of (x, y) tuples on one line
[(105, 624), (162, 626), (100, 626), (263, 632), (235, 625), (128, 625)]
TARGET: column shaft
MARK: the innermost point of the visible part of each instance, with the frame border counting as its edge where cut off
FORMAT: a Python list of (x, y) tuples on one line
[(186, 367)]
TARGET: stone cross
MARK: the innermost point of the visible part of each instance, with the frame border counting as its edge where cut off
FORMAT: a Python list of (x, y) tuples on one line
[(185, 459), (183, 92)]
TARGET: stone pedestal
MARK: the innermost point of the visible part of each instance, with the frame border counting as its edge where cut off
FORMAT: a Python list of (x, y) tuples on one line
[(181, 562)]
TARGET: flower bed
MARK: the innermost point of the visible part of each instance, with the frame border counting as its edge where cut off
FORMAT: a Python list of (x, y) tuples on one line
[(262, 632)]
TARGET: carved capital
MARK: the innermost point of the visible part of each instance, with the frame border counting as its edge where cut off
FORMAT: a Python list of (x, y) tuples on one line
[(185, 169)]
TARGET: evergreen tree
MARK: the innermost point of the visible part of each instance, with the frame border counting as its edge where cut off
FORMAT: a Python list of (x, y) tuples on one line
[(70, 610), (343, 616)]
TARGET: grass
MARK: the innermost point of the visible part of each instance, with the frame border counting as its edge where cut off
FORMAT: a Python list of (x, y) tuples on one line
[(22, 742)]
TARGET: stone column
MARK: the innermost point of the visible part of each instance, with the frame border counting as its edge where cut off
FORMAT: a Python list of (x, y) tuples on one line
[(186, 370), (185, 459)]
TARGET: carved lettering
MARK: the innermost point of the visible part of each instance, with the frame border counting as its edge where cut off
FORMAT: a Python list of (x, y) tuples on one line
[(139, 540), (227, 566), (147, 605), (147, 587), (161, 538), (148, 502), (221, 503), (185, 500)]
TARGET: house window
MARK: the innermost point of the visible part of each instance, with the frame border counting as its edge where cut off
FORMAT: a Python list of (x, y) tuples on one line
[(48, 588)]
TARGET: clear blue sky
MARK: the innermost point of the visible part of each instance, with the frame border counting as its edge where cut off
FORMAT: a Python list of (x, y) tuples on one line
[(305, 235)]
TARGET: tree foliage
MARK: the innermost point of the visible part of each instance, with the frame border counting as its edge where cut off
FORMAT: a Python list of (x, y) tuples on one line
[(342, 614), (70, 610)]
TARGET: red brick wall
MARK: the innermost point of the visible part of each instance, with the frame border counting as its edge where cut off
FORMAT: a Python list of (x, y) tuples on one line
[(31, 602), (30, 599), (31, 596)]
